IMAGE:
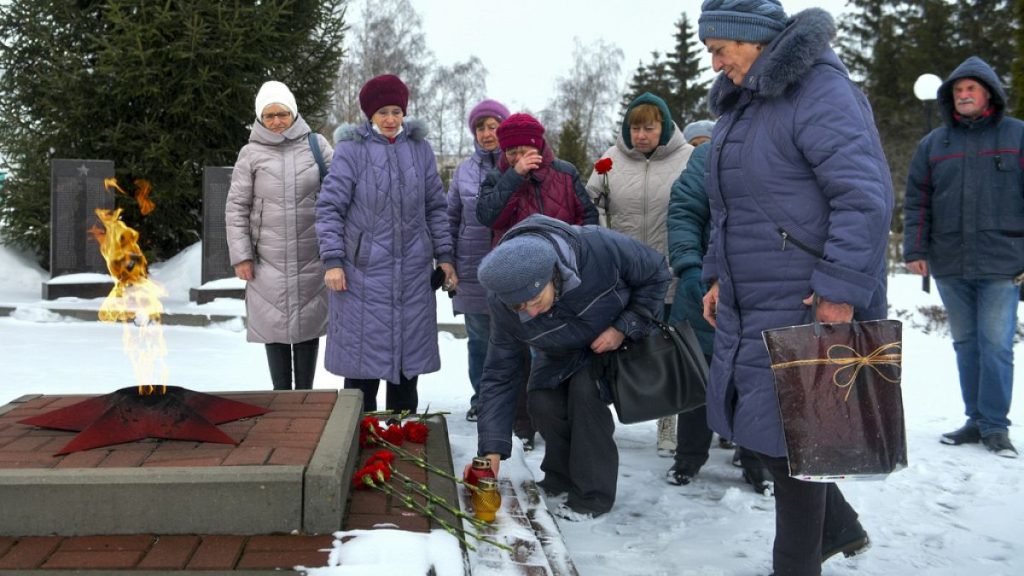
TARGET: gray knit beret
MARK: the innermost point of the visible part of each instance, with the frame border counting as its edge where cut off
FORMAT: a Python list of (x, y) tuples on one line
[(517, 269), (758, 21)]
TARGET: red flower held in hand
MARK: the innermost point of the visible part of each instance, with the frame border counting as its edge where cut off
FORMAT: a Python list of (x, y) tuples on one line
[(416, 432), (603, 165), (393, 434)]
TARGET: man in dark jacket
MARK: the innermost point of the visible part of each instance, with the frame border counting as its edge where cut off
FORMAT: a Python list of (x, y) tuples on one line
[(568, 292), (964, 224)]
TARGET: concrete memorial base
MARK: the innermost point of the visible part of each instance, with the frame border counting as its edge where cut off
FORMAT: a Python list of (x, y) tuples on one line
[(290, 472)]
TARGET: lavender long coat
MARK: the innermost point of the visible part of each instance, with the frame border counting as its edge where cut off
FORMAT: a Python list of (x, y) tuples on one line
[(381, 217), (472, 239)]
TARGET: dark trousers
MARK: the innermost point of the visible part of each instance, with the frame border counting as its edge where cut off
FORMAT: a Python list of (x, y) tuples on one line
[(301, 356), (693, 443), (400, 397), (806, 513), (580, 456), (523, 426), (693, 439)]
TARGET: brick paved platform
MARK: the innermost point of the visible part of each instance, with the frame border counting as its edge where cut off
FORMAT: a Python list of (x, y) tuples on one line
[(288, 438), (288, 472), (293, 435)]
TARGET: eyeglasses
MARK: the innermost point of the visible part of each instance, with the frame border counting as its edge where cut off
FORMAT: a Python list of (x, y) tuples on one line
[(273, 115), (531, 303)]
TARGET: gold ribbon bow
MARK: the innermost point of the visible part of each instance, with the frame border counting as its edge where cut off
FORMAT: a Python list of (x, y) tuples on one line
[(850, 363)]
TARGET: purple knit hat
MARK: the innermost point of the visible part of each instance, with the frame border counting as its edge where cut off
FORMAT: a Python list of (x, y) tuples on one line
[(486, 109), (520, 130), (386, 90)]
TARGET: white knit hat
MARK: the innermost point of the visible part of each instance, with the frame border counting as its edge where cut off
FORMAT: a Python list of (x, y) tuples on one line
[(274, 92)]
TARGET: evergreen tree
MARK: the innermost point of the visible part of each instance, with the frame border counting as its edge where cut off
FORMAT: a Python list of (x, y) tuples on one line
[(675, 78), (572, 147), (654, 78), (987, 29), (1017, 71), (888, 45), (688, 99), (162, 89)]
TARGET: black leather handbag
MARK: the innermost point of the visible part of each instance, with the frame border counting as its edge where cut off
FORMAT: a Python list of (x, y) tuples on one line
[(657, 376)]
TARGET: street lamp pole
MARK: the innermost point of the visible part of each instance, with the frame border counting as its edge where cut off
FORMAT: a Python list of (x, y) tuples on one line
[(926, 88)]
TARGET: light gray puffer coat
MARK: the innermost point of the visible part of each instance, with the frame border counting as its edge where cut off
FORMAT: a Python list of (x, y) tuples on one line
[(639, 189), (271, 220)]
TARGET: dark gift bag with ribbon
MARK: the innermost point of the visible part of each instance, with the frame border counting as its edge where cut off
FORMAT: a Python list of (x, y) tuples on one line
[(840, 398)]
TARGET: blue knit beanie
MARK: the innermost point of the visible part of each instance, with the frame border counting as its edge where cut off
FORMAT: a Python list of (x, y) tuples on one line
[(518, 269), (758, 21), (698, 128)]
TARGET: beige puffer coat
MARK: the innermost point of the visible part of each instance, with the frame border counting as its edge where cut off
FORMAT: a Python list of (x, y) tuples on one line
[(639, 189), (271, 220)]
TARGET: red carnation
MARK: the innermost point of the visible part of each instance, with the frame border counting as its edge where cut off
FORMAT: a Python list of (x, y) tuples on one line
[(371, 474), (603, 165), (416, 432), (385, 456), (393, 434), (368, 423), (381, 471), (363, 478)]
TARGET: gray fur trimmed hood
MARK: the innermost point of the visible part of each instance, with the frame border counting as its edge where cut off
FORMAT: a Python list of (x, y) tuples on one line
[(805, 42), (413, 128)]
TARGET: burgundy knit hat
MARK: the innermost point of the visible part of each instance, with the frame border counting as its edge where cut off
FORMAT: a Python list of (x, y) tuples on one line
[(520, 130), (386, 90)]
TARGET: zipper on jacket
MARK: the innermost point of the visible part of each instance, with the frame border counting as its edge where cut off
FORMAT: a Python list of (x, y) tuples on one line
[(787, 238), (643, 223)]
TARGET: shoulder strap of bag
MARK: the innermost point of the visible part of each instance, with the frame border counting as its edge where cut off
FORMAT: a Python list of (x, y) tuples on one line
[(318, 155), (640, 310)]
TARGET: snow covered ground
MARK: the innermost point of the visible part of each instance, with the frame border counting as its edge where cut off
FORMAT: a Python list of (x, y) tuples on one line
[(954, 511)]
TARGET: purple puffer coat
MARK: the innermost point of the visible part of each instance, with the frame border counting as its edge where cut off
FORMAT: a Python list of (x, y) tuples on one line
[(381, 217), (472, 239), (801, 200)]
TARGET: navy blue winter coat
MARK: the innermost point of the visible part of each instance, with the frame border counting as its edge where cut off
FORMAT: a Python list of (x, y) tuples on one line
[(801, 199), (964, 208), (614, 272)]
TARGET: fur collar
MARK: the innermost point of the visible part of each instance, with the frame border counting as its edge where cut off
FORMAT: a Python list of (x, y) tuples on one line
[(783, 63), (412, 128)]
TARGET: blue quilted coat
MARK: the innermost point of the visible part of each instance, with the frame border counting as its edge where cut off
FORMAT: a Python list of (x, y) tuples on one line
[(381, 217), (801, 199)]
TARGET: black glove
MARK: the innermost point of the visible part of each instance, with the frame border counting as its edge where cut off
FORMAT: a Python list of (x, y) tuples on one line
[(437, 278)]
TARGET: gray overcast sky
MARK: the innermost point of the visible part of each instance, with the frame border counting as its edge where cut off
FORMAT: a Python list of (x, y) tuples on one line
[(527, 44)]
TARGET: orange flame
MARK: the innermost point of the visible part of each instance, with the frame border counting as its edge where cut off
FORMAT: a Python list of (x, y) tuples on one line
[(142, 191), (135, 299)]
